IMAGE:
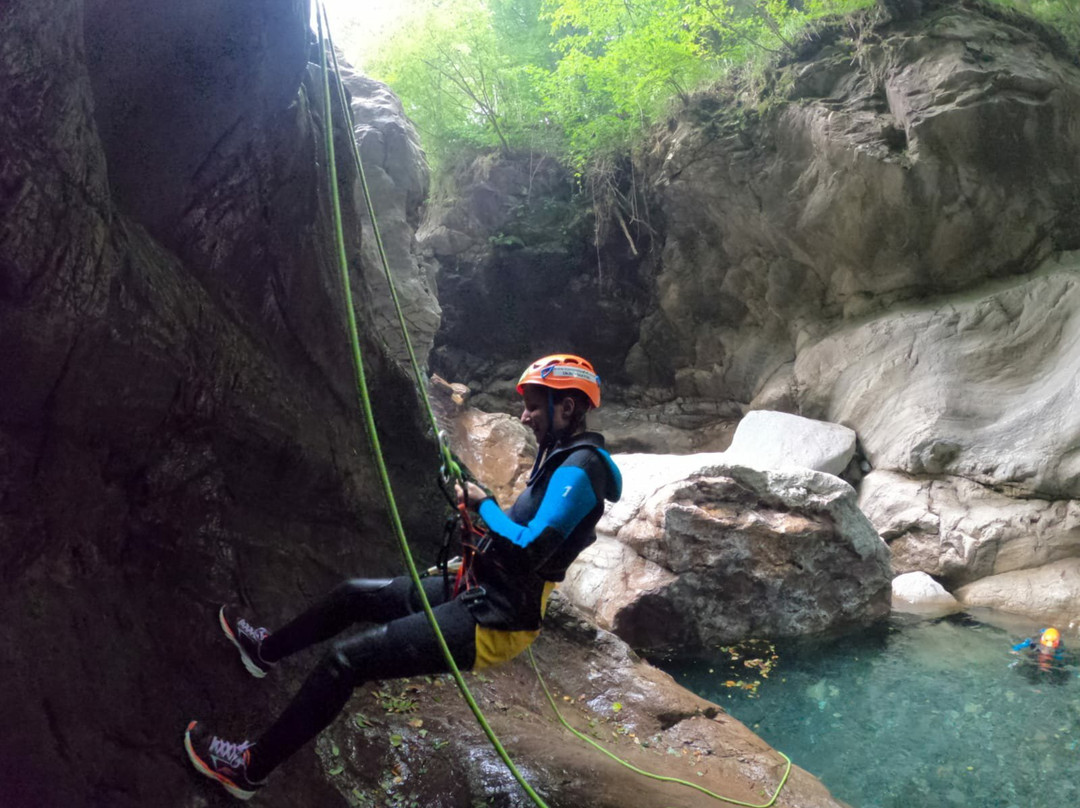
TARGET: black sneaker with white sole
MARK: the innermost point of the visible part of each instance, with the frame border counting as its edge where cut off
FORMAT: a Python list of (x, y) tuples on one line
[(221, 760), (248, 640)]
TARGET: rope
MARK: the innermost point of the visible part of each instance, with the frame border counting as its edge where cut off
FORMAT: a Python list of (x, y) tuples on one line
[(369, 423), (450, 469), (650, 775)]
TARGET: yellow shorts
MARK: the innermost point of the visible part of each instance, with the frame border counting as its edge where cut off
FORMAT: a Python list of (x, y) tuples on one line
[(495, 645)]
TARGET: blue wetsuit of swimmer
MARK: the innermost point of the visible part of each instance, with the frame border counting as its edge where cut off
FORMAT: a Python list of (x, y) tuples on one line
[(1043, 661), (527, 553)]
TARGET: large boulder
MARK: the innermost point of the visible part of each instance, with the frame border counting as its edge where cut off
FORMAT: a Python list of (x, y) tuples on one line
[(959, 531), (982, 385), (700, 551), (918, 592), (776, 440), (1050, 593)]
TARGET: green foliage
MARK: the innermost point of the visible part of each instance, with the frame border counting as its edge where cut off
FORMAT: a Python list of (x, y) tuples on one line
[(468, 73), (584, 79), (1064, 15)]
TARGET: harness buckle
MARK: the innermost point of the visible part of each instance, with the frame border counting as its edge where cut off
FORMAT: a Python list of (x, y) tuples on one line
[(472, 595)]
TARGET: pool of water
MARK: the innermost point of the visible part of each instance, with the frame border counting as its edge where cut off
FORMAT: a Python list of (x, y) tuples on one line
[(912, 713)]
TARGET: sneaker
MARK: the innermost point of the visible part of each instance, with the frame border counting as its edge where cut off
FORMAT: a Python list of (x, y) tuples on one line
[(221, 760), (247, 639)]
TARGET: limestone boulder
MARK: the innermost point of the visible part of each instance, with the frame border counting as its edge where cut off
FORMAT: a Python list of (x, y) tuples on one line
[(918, 592), (981, 385), (959, 531), (722, 552), (1050, 593), (776, 440)]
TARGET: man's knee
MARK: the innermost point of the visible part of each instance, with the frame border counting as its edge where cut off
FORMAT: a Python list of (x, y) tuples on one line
[(362, 587), (356, 659)]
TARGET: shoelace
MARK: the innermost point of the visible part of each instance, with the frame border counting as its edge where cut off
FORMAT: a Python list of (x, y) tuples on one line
[(255, 634), (234, 754)]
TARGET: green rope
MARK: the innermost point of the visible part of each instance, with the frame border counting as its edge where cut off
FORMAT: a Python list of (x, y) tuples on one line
[(650, 775), (369, 423), (451, 470)]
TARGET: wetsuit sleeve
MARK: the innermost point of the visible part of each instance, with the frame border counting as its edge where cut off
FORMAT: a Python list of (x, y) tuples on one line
[(570, 496), (1020, 646)]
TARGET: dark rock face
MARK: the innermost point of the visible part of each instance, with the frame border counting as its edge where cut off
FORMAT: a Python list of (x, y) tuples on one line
[(519, 276), (175, 88), (178, 422)]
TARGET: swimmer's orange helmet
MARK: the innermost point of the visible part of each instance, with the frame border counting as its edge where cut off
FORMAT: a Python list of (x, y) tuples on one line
[(1051, 638), (563, 372)]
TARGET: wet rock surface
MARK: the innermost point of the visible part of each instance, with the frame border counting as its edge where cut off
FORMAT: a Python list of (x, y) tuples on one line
[(417, 741), (959, 531)]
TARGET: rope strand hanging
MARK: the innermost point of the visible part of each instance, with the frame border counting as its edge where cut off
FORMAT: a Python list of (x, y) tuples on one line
[(369, 424)]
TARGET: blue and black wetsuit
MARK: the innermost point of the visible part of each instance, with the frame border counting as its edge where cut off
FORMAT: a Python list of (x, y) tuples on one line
[(532, 545), (1041, 663), (529, 548)]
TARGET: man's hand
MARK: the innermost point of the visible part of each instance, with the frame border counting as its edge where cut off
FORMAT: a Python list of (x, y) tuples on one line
[(476, 493)]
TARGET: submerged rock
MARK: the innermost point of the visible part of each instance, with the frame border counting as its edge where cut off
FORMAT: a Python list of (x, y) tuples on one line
[(700, 551)]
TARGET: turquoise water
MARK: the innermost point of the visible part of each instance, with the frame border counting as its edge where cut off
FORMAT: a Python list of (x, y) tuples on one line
[(914, 713)]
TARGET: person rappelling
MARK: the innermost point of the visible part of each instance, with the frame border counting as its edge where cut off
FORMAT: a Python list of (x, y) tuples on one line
[(492, 613)]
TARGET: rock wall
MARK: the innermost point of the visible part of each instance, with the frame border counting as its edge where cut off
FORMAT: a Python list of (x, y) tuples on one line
[(178, 419), (520, 275), (894, 163), (884, 236)]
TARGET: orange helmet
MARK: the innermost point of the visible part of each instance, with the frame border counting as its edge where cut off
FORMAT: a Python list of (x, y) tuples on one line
[(1051, 638), (563, 372)]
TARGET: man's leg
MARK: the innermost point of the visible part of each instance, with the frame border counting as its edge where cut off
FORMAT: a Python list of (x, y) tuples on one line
[(403, 647), (359, 600)]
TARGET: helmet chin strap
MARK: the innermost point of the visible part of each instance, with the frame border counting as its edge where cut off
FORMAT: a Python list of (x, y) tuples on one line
[(550, 439)]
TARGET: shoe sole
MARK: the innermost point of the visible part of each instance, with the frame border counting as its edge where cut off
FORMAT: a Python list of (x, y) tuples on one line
[(249, 663), (203, 769)]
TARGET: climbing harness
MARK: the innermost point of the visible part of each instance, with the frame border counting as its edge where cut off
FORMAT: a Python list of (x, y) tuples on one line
[(473, 540)]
